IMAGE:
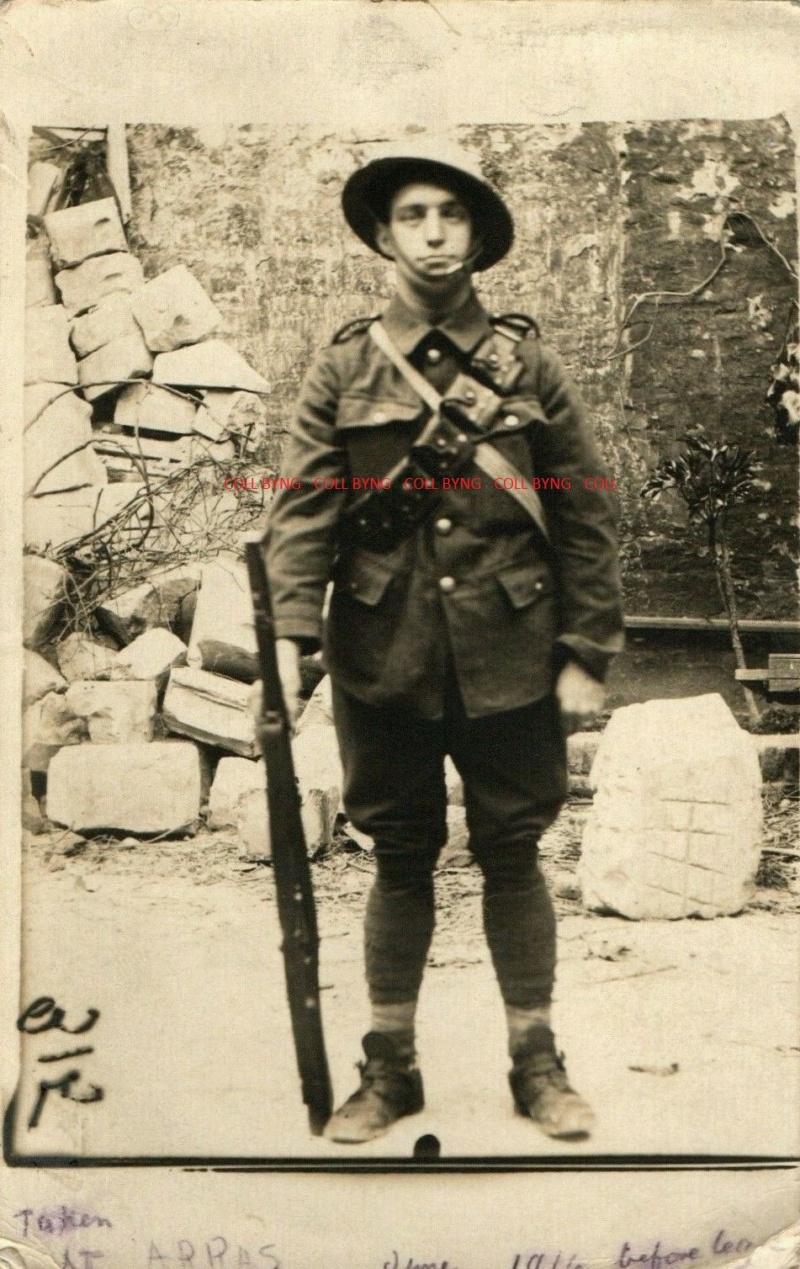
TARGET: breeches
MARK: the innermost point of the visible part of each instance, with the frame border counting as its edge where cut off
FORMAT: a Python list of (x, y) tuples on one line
[(513, 767)]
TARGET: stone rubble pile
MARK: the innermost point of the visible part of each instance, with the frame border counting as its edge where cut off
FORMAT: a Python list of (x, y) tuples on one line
[(126, 378)]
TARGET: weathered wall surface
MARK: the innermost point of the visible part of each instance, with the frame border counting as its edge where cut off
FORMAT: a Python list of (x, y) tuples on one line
[(602, 212)]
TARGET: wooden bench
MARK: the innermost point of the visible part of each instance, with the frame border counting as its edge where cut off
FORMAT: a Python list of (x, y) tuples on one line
[(781, 675)]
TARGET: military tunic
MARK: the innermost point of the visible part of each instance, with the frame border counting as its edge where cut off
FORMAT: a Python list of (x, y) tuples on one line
[(475, 586)]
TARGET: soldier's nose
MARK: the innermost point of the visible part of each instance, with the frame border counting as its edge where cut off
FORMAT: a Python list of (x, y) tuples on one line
[(433, 227)]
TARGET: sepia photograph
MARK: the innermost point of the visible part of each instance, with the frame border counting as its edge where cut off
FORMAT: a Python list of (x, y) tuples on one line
[(524, 402), (408, 651)]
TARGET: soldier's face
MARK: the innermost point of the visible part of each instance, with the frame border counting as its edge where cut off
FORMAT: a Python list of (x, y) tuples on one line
[(429, 235)]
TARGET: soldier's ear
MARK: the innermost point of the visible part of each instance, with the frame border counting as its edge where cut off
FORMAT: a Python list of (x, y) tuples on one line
[(384, 240)]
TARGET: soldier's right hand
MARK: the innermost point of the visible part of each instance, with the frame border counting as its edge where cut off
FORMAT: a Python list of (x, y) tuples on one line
[(288, 655)]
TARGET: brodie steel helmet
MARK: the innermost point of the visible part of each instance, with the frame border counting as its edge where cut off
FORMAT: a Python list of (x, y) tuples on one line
[(368, 193)]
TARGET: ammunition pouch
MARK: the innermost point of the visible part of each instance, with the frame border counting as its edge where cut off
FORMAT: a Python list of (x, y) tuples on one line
[(380, 519)]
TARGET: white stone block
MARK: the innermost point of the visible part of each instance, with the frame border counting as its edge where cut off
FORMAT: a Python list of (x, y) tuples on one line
[(200, 450), (87, 284), (116, 713), (48, 353), (675, 826), (223, 634), (212, 364), (173, 309), (37, 396), (150, 656), (206, 425), (102, 371), (145, 405), (44, 181), (45, 586), (80, 657), (252, 826), (39, 678), (143, 788), (319, 776), (211, 709), (238, 412), (58, 451), (234, 781), (111, 319), (131, 612), (88, 229), (40, 289), (47, 725), (456, 852), (453, 783), (319, 708), (53, 521), (120, 451)]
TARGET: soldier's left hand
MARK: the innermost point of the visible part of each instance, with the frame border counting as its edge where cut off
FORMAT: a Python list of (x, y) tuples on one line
[(580, 697)]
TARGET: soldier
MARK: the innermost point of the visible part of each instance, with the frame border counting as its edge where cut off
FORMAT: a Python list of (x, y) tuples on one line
[(469, 616)]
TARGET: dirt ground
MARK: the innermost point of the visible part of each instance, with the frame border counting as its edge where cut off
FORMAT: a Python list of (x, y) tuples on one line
[(343, 874), (176, 943)]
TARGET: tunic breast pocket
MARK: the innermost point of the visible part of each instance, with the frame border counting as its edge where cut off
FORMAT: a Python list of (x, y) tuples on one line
[(377, 433), (525, 584)]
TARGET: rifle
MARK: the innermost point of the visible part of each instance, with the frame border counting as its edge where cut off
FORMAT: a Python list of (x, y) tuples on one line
[(290, 866)]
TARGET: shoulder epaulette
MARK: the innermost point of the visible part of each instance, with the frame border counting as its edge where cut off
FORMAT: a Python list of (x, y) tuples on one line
[(516, 325), (359, 326)]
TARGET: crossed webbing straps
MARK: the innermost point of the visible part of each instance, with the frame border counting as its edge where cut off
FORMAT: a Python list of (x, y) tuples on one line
[(485, 456)]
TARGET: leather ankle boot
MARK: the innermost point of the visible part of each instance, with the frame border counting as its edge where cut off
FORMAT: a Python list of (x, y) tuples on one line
[(542, 1090), (391, 1086)]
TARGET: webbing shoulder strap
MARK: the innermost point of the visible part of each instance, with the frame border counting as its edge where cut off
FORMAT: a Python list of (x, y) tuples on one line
[(485, 456)]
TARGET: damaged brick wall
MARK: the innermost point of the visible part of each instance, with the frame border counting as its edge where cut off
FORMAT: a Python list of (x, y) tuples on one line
[(603, 212)]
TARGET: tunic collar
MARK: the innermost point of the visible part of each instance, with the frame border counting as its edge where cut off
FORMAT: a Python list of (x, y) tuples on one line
[(467, 327)]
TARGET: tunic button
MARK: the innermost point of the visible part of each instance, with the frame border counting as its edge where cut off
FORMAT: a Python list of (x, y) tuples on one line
[(444, 526), (493, 360), (447, 584), (511, 420), (469, 397), (433, 355)]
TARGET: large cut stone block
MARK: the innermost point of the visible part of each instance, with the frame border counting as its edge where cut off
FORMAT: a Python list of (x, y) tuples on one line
[(319, 776), (144, 788), (145, 405), (40, 289), (150, 656), (174, 309), (37, 396), (675, 827), (319, 709), (48, 353), (223, 636), (53, 521), (58, 451), (212, 364), (87, 284), (124, 358), (80, 657), (47, 725), (88, 229), (44, 181), (111, 319), (210, 708), (39, 678), (235, 411), (234, 781), (116, 713), (45, 585)]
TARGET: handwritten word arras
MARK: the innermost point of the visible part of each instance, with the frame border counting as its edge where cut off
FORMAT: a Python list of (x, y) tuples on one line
[(212, 1253)]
